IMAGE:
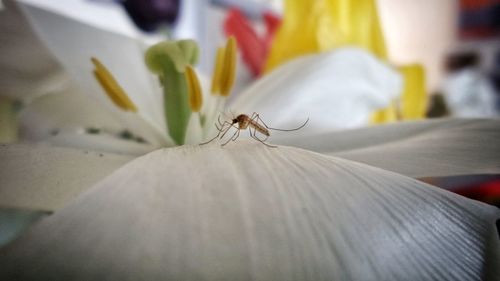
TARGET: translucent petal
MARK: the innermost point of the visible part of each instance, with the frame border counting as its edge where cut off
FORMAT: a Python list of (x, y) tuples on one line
[(73, 43), (442, 147), (70, 110), (334, 89), (101, 142), (64, 110), (15, 221), (46, 178), (249, 212), (107, 17), (27, 68)]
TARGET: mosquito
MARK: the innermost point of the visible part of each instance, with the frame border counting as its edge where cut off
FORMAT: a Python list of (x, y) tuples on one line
[(253, 125)]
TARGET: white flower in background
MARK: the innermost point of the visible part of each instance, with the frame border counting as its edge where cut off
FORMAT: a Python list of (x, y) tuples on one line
[(363, 84), (243, 211), (469, 94)]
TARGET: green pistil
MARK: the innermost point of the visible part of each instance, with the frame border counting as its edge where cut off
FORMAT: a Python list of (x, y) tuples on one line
[(168, 60)]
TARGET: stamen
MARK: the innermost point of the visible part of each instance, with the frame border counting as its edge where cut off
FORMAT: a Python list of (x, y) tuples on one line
[(229, 67), (111, 87), (194, 89), (216, 75)]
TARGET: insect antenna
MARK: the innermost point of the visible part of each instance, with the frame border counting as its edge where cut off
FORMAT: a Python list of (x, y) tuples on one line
[(289, 130), (277, 129)]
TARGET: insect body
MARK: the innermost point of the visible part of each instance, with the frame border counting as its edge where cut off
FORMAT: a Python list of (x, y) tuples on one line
[(253, 124), (244, 122)]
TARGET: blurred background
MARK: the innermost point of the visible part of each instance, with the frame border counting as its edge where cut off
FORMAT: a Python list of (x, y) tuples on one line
[(456, 42), (447, 51)]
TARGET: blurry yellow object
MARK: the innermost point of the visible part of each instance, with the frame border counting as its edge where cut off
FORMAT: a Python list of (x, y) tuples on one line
[(321, 25), (8, 121), (414, 99), (389, 114), (413, 102)]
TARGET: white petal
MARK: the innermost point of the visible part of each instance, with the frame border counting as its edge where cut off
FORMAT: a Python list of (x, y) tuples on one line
[(337, 89), (70, 110), (46, 178), (74, 43), (441, 147), (100, 142), (64, 110), (27, 68), (249, 212), (108, 17), (15, 221), (194, 133)]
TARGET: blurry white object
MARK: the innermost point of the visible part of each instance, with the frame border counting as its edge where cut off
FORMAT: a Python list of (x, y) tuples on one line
[(410, 27), (252, 8), (27, 69), (335, 90), (192, 24), (469, 94), (108, 16)]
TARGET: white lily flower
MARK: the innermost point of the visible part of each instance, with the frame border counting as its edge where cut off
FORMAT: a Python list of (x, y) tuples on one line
[(247, 211), (74, 42)]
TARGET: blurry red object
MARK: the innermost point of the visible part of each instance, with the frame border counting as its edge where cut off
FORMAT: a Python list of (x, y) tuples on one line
[(488, 192), (254, 48), (479, 19)]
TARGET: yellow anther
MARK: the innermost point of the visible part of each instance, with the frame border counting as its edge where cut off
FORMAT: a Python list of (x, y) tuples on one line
[(111, 87), (216, 75), (194, 89), (229, 67)]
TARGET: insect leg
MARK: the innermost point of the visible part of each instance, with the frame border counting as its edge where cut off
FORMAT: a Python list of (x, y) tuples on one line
[(254, 136), (233, 138), (220, 131), (218, 120), (230, 125), (255, 118), (236, 135)]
